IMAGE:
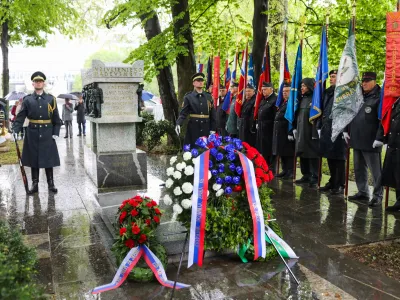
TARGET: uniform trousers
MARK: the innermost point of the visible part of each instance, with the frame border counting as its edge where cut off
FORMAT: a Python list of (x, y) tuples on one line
[(363, 161), (337, 171), (309, 168), (287, 164)]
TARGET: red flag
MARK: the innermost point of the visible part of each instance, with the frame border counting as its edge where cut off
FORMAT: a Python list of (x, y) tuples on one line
[(215, 91), (242, 84), (265, 76)]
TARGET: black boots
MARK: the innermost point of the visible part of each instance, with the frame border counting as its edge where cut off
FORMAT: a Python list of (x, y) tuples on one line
[(50, 180), (35, 181)]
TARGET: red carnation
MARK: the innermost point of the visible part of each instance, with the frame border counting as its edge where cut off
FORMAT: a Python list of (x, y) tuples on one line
[(149, 204), (134, 213), (148, 222), (153, 203), (158, 212), (122, 231), (246, 145), (133, 203), (259, 173), (122, 206), (251, 153), (259, 161), (237, 188), (259, 182), (137, 197), (122, 216), (135, 229), (125, 201), (142, 238), (156, 219), (130, 243)]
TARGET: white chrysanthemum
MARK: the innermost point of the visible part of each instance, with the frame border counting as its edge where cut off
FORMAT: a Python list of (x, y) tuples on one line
[(177, 175), (170, 171), (187, 156), (180, 166), (167, 200), (186, 203), (209, 175), (187, 188), (189, 170), (177, 209), (173, 160), (169, 183), (219, 193), (177, 191), (216, 186)]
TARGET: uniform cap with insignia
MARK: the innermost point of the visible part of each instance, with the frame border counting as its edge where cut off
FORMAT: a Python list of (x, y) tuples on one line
[(38, 76), (267, 84), (198, 76), (234, 84), (221, 86), (333, 72), (249, 86), (368, 76)]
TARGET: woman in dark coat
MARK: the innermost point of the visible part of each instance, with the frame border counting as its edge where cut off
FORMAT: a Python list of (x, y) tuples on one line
[(246, 124), (306, 135), (80, 116), (265, 123)]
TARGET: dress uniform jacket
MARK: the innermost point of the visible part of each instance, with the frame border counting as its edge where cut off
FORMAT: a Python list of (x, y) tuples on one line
[(366, 127), (265, 120), (391, 165), (329, 149), (281, 145), (40, 149), (246, 122), (200, 110), (307, 135), (231, 123)]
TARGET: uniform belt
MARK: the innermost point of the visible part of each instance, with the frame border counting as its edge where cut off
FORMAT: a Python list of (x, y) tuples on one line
[(199, 116), (40, 121)]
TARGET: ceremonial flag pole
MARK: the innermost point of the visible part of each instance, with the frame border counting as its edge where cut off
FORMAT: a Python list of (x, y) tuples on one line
[(242, 82), (215, 91)]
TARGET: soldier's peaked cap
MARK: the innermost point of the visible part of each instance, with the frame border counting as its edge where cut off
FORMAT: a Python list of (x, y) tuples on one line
[(198, 76), (38, 76), (249, 86), (267, 84), (367, 76)]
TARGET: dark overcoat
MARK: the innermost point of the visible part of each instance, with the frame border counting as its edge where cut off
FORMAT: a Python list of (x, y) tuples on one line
[(246, 123), (265, 121), (40, 149), (329, 149), (199, 108), (80, 112), (281, 145)]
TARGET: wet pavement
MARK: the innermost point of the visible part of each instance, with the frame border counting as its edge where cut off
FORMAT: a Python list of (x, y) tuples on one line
[(73, 242)]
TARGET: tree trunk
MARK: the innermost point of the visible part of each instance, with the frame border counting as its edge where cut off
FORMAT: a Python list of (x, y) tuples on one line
[(4, 49), (260, 22), (186, 63)]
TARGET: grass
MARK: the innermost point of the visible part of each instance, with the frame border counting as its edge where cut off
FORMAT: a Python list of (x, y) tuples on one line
[(10, 157)]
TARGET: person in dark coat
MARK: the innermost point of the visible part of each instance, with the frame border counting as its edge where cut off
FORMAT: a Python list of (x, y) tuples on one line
[(80, 116), (366, 139), (231, 123), (221, 114), (198, 105), (334, 152), (283, 142), (40, 148), (306, 136), (246, 124), (265, 123), (391, 165)]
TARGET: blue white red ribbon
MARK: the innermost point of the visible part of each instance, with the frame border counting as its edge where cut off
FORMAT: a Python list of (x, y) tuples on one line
[(199, 208), (129, 263), (255, 206)]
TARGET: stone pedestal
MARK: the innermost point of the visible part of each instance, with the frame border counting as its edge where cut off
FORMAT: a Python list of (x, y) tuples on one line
[(114, 162)]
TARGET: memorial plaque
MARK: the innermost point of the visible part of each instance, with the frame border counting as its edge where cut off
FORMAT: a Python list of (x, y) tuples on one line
[(120, 99)]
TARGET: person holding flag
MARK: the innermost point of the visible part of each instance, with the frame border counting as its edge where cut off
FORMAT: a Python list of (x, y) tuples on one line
[(221, 113), (246, 121), (231, 123), (265, 123)]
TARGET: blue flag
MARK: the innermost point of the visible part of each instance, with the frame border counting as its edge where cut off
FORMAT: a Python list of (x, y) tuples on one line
[(250, 72), (320, 78), (209, 73), (381, 101), (295, 88)]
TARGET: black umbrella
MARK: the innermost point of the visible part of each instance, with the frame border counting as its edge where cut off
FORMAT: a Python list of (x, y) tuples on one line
[(67, 96), (15, 95), (78, 94)]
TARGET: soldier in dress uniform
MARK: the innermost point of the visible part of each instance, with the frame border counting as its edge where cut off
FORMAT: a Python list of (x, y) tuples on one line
[(231, 123), (198, 106), (40, 149), (391, 165), (246, 123), (221, 114), (265, 123), (283, 143)]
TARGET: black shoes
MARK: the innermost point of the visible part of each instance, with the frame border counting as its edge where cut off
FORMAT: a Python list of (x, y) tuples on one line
[(50, 180), (65, 137), (302, 180), (281, 174), (394, 208), (375, 202), (35, 181), (359, 197), (326, 188), (288, 175), (78, 134), (337, 191)]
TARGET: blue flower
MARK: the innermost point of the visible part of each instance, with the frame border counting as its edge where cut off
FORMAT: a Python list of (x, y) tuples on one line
[(194, 152), (219, 180), (228, 190), (229, 148), (210, 164), (211, 138), (236, 140), (231, 156), (221, 166), (220, 156), (186, 148), (236, 179), (218, 143), (201, 143), (214, 172), (238, 145), (213, 151), (239, 170), (232, 167), (227, 139), (228, 179)]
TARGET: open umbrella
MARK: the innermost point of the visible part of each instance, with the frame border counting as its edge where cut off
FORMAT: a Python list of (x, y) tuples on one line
[(78, 94), (15, 95), (147, 95), (67, 96)]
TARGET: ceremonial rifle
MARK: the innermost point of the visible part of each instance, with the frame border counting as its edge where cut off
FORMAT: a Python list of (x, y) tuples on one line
[(21, 167)]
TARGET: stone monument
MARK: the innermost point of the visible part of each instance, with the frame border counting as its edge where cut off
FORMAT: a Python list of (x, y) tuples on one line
[(113, 162)]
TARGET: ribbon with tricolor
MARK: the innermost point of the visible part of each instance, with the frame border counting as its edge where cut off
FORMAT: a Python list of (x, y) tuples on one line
[(199, 208), (129, 262)]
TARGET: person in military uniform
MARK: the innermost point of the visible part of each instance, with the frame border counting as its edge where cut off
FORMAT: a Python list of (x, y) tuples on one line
[(391, 165), (366, 139), (306, 136), (198, 105), (40, 149), (265, 123), (283, 143), (221, 114), (334, 152), (231, 123), (246, 123)]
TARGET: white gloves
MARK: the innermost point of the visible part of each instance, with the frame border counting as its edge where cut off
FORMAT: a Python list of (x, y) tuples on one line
[(346, 137), (290, 138), (377, 144), (212, 132), (319, 133), (54, 137), (294, 133), (178, 129), (256, 126)]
